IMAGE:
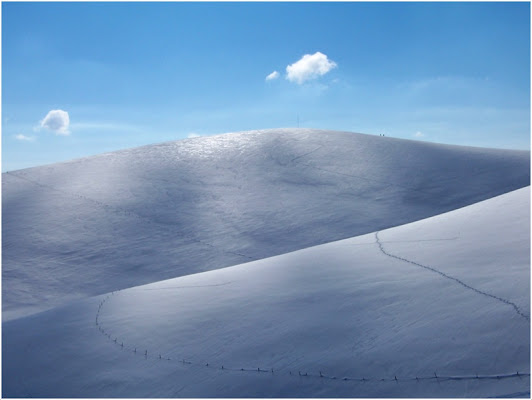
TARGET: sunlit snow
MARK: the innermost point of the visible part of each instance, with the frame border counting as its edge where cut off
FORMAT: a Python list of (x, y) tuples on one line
[(330, 289)]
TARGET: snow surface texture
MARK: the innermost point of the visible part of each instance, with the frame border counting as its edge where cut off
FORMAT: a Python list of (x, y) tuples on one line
[(122, 219), (419, 310)]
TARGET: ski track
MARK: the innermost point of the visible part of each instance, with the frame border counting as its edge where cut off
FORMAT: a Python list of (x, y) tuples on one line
[(452, 278), (306, 154), (283, 371)]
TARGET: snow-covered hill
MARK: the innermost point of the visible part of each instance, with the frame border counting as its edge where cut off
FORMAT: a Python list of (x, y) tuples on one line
[(419, 310), (109, 222)]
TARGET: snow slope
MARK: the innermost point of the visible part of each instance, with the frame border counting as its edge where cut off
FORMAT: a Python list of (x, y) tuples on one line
[(441, 300), (122, 219)]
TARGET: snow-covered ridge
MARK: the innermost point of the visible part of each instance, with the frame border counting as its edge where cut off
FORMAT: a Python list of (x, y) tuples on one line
[(127, 218), (435, 308)]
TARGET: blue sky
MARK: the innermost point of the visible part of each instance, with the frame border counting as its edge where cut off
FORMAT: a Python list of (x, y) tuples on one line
[(129, 74)]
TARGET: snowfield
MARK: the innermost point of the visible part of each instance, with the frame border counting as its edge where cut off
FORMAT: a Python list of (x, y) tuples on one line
[(122, 219), (371, 324), (278, 263)]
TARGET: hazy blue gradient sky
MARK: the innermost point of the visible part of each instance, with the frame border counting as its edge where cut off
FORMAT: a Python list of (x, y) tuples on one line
[(130, 74)]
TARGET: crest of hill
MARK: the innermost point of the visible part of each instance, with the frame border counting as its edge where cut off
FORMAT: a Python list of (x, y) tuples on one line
[(122, 219)]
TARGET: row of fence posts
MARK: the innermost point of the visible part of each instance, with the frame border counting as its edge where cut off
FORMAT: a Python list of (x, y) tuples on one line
[(304, 374)]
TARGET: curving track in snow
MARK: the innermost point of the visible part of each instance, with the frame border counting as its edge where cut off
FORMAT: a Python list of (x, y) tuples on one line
[(452, 278)]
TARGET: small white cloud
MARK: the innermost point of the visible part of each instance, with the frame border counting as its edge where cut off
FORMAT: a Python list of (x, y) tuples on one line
[(57, 121), (24, 138), (272, 76), (309, 67), (193, 135), (418, 134)]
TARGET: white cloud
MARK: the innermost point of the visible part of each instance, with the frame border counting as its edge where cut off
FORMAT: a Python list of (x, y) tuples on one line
[(309, 67), (193, 135), (418, 134), (272, 76), (24, 138), (57, 121)]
